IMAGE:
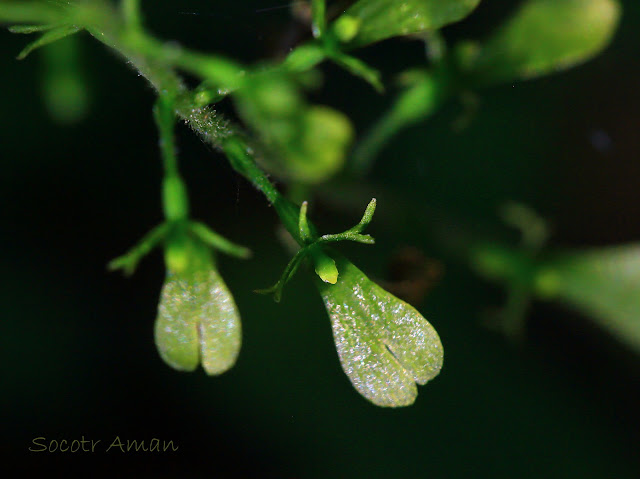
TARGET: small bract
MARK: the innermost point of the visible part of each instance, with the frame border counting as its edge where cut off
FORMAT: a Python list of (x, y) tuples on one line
[(385, 345), (198, 321)]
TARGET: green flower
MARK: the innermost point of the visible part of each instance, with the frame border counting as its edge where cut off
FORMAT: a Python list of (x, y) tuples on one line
[(385, 346), (198, 321)]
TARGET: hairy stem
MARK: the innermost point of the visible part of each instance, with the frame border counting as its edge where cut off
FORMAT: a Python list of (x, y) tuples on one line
[(155, 61)]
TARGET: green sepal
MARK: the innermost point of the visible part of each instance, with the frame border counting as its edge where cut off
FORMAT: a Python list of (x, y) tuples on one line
[(367, 216), (28, 29), (304, 229), (359, 68), (129, 261), (176, 236), (385, 345), (218, 242), (324, 265), (48, 37)]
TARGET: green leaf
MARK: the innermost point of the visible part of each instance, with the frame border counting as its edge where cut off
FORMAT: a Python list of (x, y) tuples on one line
[(198, 321), (324, 265), (375, 20), (47, 38), (603, 283), (542, 37), (359, 68), (385, 346)]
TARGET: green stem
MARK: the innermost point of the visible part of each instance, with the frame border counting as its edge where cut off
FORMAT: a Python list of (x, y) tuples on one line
[(175, 199), (156, 61), (318, 14), (206, 122), (131, 13), (165, 119), (413, 105), (240, 158)]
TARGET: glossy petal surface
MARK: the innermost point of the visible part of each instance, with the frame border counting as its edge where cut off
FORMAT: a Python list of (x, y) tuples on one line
[(198, 321), (385, 345)]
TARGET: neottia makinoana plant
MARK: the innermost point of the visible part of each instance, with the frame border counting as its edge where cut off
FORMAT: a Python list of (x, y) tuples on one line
[(385, 345)]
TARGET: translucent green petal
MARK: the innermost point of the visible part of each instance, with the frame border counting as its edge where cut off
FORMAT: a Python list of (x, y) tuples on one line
[(381, 19), (197, 321), (176, 330), (385, 346), (220, 332)]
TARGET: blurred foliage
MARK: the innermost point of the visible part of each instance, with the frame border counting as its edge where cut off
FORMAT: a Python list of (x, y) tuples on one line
[(604, 283), (542, 37), (304, 143)]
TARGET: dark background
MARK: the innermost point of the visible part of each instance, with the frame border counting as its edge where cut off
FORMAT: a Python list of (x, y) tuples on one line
[(77, 350)]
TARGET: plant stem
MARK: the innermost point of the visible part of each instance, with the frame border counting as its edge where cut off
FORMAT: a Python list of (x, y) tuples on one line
[(175, 199), (156, 61), (415, 104), (151, 59), (318, 10)]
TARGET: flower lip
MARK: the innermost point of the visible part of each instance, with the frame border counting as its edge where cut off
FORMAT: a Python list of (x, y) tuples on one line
[(198, 321), (385, 345)]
